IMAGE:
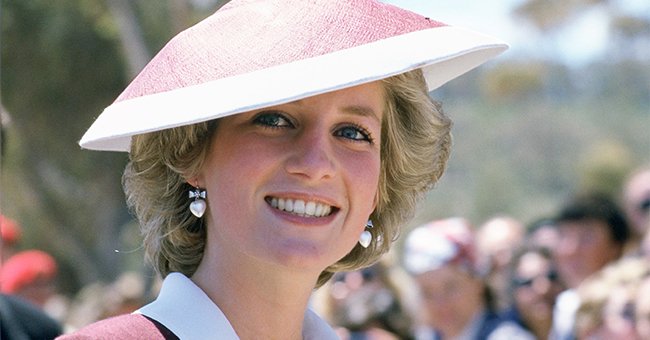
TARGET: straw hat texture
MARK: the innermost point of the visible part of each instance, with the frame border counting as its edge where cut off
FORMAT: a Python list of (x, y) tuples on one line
[(252, 54)]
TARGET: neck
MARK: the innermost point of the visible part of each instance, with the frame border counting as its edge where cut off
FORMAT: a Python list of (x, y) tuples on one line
[(539, 326), (465, 327), (541, 330), (257, 298)]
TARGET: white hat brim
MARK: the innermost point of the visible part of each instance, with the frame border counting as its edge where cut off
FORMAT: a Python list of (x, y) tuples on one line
[(443, 53)]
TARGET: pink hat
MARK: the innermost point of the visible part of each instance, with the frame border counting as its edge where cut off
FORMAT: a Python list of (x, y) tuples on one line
[(440, 243), (252, 54)]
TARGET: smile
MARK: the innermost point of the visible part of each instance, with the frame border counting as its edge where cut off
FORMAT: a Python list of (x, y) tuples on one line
[(300, 207)]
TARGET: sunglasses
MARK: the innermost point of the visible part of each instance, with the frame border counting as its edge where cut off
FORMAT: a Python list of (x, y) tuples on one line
[(644, 206), (551, 276)]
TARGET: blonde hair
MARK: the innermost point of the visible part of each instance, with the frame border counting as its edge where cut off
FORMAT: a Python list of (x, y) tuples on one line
[(620, 279), (415, 147)]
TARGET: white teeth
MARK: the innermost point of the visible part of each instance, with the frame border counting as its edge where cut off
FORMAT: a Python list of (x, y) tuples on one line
[(310, 208), (300, 207)]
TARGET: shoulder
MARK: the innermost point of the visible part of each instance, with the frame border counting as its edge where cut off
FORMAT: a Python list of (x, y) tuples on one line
[(496, 327), (129, 326), (509, 330)]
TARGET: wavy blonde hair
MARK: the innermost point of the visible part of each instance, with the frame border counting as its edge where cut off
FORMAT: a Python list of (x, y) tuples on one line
[(415, 146)]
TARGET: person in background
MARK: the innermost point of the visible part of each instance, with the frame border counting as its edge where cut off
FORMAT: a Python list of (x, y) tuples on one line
[(372, 303), (455, 301), (535, 284), (30, 274), (542, 233), (496, 241), (272, 145), (27, 281), (97, 301), (593, 233), (19, 318), (636, 205), (609, 300)]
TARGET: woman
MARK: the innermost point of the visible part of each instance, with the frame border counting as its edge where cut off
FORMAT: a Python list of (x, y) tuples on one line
[(535, 284), (290, 125)]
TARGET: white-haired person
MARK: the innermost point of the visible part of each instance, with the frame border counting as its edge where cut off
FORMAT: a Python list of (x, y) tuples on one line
[(271, 145), (456, 301)]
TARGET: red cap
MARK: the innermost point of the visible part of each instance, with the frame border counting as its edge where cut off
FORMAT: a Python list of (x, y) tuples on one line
[(24, 268)]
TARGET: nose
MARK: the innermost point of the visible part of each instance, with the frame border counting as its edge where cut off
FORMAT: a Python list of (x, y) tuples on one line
[(541, 285), (311, 155)]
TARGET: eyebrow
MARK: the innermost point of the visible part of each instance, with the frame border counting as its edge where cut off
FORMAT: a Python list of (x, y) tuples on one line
[(356, 110), (360, 110)]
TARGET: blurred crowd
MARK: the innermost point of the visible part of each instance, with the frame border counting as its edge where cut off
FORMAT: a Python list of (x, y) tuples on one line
[(580, 273)]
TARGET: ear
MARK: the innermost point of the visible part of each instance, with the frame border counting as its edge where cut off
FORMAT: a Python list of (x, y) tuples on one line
[(375, 201), (194, 181)]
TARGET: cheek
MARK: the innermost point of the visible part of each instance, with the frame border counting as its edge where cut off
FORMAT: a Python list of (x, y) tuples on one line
[(227, 176), (240, 157), (601, 246), (365, 181), (524, 295), (236, 162)]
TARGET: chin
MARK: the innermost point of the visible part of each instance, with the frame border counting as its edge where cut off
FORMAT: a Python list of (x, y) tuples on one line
[(303, 255)]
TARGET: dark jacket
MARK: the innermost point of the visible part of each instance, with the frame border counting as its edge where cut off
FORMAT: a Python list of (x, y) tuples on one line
[(21, 320)]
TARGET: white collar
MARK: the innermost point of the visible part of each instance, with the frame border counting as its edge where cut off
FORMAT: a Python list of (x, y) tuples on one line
[(189, 313)]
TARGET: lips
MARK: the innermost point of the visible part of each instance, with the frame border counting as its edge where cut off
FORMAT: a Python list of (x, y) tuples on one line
[(301, 207)]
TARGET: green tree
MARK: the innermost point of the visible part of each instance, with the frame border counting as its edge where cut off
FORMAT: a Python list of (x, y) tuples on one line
[(62, 62)]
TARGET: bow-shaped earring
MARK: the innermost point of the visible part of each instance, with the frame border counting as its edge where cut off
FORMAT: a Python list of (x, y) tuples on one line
[(366, 236), (197, 207)]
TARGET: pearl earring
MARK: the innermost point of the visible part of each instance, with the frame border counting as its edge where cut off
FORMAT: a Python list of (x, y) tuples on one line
[(366, 237), (197, 207)]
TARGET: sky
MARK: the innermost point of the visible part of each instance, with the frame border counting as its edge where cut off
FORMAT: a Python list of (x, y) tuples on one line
[(489, 17), (576, 44), (585, 39)]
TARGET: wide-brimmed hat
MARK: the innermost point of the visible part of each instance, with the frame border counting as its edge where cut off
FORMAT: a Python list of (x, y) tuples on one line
[(252, 54)]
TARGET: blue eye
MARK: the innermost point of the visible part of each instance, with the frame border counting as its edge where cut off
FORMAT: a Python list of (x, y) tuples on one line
[(354, 133), (272, 119)]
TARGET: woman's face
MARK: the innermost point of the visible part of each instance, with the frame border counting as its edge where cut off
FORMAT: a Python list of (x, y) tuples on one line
[(451, 298), (293, 185), (536, 285), (584, 247)]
